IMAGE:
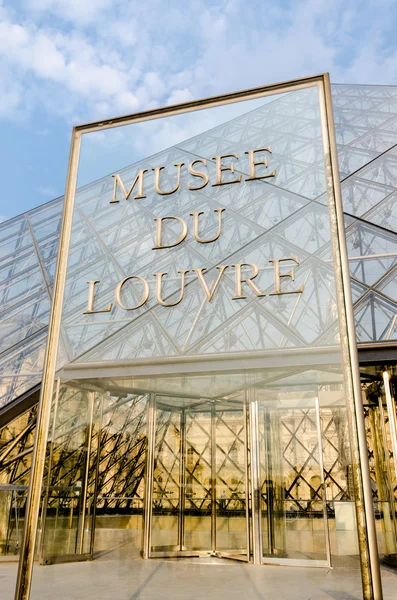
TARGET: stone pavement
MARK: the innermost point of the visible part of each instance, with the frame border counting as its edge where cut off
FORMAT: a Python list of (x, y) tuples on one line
[(117, 575)]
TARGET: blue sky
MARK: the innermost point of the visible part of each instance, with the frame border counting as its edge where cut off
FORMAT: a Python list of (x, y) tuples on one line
[(65, 62)]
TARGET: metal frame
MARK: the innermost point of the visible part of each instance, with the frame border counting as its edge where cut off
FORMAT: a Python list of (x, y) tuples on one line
[(147, 527), (255, 487), (323, 488), (369, 558), (179, 550), (386, 463), (315, 454), (365, 517), (376, 304), (247, 477), (392, 416), (45, 502), (80, 554), (213, 479)]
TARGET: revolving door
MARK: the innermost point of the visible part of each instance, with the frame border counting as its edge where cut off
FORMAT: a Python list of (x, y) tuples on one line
[(197, 499), (237, 474), (229, 478)]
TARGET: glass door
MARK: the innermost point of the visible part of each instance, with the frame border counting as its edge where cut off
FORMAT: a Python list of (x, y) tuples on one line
[(231, 466), (197, 479), (166, 501), (197, 482), (272, 483), (293, 506), (69, 503)]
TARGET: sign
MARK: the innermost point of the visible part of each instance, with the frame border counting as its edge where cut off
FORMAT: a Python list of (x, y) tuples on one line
[(244, 273)]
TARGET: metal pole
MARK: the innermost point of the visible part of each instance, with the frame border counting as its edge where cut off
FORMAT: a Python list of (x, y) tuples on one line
[(16, 521), (255, 480), (182, 483), (213, 478), (84, 490), (97, 465), (151, 432), (26, 557), (389, 494), (323, 488), (269, 481), (45, 503), (392, 417), (369, 558), (246, 471)]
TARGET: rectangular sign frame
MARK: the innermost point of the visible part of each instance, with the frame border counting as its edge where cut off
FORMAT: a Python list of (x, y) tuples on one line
[(370, 569)]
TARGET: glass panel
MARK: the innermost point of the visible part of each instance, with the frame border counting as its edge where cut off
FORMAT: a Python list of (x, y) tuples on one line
[(288, 135), (12, 505), (199, 442), (21, 367), (375, 318), (347, 132), (200, 439), (385, 213), (382, 170), (371, 119), (198, 482), (351, 159), (360, 195), (377, 140), (369, 129), (383, 476), (293, 523), (71, 480), (166, 479), (231, 484), (113, 240), (15, 325), (16, 447), (120, 495)]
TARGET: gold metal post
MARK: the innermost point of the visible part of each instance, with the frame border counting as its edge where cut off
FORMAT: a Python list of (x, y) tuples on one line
[(25, 567), (369, 558)]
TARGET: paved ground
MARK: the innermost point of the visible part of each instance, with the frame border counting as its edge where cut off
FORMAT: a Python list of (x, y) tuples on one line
[(117, 576)]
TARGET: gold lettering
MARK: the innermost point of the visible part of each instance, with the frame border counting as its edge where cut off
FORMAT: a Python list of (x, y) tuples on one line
[(209, 293), (159, 280), (196, 235), (195, 173), (221, 168), (253, 164), (157, 180), (278, 276), (119, 182), (145, 294), (159, 233), (240, 280), (90, 305)]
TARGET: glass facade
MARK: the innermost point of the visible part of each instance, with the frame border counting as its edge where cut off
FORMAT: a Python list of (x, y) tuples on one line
[(200, 398), (365, 124)]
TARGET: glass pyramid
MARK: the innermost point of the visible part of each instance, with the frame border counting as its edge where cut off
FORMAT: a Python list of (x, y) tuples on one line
[(366, 130)]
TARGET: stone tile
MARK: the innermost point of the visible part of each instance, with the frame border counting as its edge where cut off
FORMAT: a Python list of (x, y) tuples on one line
[(118, 575)]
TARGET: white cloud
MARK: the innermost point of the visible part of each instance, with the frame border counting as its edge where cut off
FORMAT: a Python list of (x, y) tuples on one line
[(73, 10), (11, 95), (47, 191), (86, 60), (180, 95)]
